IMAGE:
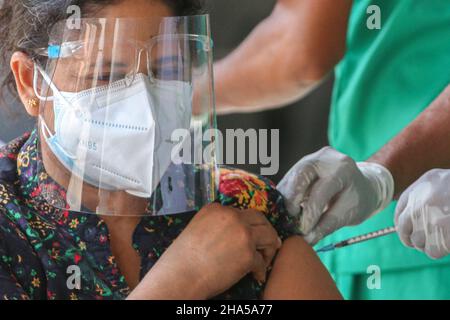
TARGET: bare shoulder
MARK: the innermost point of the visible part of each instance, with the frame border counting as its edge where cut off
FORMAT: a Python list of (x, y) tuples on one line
[(298, 273)]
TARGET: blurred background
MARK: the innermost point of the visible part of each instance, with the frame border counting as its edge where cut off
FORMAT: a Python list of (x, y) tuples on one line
[(303, 126)]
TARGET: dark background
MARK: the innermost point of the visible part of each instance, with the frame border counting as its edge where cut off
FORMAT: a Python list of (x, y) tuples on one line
[(302, 126)]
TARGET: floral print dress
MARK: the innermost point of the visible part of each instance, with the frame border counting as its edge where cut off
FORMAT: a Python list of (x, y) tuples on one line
[(39, 244)]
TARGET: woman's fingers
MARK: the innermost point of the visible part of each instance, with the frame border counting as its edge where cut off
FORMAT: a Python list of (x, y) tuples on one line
[(265, 236), (259, 269), (269, 254), (265, 240), (254, 217), (263, 233)]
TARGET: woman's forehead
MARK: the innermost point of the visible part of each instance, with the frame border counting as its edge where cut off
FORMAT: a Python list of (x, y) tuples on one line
[(107, 32), (134, 9)]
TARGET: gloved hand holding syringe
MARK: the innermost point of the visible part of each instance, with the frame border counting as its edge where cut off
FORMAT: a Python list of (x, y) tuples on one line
[(358, 239)]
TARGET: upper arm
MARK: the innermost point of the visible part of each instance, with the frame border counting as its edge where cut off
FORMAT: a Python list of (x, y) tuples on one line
[(299, 274), (244, 190), (285, 56), (297, 271), (316, 32)]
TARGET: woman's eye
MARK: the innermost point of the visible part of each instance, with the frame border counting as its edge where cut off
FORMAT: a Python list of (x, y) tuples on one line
[(107, 77), (167, 72), (104, 77)]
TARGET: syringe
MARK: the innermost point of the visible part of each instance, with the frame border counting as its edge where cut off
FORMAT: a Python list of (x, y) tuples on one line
[(358, 239)]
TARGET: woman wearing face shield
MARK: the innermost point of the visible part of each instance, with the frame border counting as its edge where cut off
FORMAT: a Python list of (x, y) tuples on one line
[(89, 212)]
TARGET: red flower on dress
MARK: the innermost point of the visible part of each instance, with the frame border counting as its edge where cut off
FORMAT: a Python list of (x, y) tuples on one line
[(76, 258), (232, 187)]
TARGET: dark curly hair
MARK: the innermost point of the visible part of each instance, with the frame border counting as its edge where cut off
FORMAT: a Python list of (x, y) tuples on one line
[(25, 24)]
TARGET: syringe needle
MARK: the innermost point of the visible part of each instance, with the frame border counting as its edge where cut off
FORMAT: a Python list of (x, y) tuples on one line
[(358, 239), (327, 248)]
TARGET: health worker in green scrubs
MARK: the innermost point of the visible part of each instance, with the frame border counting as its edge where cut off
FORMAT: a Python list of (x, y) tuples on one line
[(389, 125)]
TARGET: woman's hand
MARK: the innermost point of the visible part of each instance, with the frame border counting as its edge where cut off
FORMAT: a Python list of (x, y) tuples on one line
[(217, 249)]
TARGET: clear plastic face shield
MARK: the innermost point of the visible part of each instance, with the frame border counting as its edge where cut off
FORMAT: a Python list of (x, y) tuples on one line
[(127, 118)]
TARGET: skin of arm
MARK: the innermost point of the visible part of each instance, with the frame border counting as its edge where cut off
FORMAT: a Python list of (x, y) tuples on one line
[(155, 284), (285, 57), (426, 140), (298, 274)]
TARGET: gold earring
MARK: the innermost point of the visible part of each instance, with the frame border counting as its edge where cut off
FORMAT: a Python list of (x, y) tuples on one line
[(32, 103)]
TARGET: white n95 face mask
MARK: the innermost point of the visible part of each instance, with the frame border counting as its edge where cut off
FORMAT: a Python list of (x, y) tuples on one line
[(118, 137)]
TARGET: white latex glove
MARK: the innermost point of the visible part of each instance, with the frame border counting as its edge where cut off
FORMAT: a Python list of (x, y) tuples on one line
[(422, 216), (334, 191)]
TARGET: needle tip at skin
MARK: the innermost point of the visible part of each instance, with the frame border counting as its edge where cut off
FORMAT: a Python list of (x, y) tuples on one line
[(326, 248)]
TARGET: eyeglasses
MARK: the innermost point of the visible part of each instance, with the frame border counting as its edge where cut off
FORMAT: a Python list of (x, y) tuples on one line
[(164, 57)]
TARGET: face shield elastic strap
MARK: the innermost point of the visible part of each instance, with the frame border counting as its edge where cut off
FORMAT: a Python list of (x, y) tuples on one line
[(48, 135), (38, 69), (51, 141)]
